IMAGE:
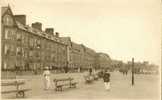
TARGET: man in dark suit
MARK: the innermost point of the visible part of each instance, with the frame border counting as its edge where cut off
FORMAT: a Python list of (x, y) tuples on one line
[(106, 78)]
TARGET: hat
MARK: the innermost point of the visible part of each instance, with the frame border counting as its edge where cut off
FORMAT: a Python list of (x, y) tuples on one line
[(107, 72), (46, 68)]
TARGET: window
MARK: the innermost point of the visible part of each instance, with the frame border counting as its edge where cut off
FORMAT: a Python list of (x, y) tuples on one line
[(4, 66), (30, 53), (31, 42), (18, 64), (18, 51), (8, 34), (37, 54), (7, 20), (18, 36), (12, 50), (52, 56), (23, 52), (26, 40), (38, 44), (48, 45), (35, 43), (23, 39), (31, 66), (6, 49)]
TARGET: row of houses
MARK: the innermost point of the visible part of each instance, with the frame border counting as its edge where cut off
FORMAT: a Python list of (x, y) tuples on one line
[(30, 48), (138, 67)]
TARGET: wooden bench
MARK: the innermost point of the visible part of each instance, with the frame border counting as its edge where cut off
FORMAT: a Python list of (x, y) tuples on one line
[(95, 76), (19, 92), (59, 83), (89, 79)]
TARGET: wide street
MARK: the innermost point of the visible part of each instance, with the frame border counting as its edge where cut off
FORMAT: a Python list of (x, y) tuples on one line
[(146, 87)]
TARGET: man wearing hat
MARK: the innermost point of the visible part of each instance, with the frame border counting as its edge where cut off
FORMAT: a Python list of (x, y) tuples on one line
[(106, 78), (46, 75)]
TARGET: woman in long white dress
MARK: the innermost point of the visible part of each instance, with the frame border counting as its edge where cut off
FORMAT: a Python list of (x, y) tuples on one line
[(46, 75)]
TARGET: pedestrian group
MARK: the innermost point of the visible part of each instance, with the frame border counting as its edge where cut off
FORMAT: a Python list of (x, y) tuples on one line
[(105, 76)]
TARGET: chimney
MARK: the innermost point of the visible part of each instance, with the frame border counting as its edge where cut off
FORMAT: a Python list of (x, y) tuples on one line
[(57, 34), (37, 25), (21, 19), (49, 31)]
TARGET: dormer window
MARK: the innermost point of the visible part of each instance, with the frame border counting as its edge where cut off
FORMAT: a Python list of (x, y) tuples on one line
[(7, 20)]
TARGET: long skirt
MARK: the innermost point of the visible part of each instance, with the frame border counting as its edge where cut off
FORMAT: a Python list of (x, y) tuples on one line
[(47, 82), (107, 85)]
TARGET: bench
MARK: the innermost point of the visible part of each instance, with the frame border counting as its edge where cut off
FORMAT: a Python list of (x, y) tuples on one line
[(19, 92), (89, 79), (59, 83), (95, 76)]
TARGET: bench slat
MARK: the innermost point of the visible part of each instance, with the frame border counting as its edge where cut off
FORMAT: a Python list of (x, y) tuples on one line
[(13, 83), (62, 85), (63, 79), (74, 83), (12, 91)]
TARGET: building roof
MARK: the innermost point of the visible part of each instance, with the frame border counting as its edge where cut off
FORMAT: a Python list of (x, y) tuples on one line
[(4, 9), (76, 46), (66, 40), (32, 30), (104, 56), (89, 50)]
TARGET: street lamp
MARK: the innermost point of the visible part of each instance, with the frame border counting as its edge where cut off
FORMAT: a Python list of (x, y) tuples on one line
[(132, 71)]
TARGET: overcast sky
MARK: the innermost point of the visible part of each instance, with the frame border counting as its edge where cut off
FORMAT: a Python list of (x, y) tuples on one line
[(121, 28)]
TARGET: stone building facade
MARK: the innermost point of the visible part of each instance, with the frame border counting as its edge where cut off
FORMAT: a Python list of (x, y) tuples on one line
[(80, 56), (29, 48), (89, 58)]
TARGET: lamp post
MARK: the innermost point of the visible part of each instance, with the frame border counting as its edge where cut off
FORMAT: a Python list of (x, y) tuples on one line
[(132, 71)]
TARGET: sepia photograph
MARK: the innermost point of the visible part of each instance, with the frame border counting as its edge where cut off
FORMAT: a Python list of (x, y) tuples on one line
[(81, 49)]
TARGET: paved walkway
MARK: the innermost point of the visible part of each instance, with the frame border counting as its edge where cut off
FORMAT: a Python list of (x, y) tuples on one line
[(146, 87)]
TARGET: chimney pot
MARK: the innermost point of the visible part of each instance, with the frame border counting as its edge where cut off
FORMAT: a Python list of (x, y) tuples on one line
[(37, 25), (21, 19), (57, 34), (49, 31)]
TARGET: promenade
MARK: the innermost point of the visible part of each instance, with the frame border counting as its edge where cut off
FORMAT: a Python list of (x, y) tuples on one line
[(146, 87)]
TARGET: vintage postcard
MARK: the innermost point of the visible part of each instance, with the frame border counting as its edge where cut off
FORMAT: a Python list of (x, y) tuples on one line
[(81, 49)]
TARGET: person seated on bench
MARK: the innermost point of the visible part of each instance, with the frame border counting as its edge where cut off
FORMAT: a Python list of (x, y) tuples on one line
[(46, 76), (88, 78)]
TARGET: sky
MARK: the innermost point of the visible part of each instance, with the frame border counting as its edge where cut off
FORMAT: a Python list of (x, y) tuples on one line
[(121, 28)]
